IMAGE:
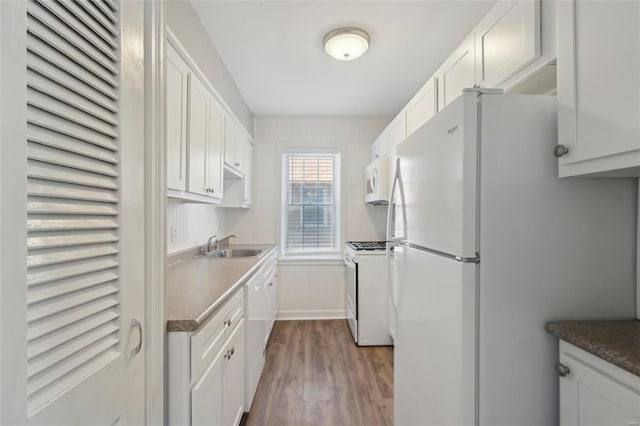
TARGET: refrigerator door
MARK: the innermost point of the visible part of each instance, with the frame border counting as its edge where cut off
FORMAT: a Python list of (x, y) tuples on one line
[(435, 343), (439, 171)]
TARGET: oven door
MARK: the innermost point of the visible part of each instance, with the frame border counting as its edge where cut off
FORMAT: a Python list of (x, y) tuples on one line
[(351, 281)]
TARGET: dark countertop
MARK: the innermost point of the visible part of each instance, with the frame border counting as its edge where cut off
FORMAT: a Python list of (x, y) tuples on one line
[(617, 342), (197, 287)]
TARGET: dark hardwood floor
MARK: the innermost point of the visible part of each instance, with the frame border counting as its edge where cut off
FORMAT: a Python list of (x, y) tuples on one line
[(315, 375)]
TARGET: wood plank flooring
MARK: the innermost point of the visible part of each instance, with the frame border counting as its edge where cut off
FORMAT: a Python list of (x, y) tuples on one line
[(315, 375)]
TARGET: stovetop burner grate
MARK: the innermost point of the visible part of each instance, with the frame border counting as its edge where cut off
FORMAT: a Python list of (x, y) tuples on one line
[(367, 245)]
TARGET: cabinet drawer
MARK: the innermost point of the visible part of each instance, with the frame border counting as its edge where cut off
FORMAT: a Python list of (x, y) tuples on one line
[(208, 341)]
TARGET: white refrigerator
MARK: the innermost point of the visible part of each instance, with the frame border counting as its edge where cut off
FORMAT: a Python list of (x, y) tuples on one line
[(490, 246)]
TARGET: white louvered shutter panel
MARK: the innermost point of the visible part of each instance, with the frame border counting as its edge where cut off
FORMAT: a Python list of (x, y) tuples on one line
[(73, 193)]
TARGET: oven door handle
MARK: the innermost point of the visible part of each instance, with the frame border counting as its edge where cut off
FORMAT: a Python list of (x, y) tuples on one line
[(349, 263)]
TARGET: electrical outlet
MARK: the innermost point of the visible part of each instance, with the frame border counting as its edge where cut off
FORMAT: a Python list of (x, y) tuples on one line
[(173, 233)]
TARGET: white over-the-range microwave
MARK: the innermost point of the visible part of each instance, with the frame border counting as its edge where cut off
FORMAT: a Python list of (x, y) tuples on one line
[(376, 181)]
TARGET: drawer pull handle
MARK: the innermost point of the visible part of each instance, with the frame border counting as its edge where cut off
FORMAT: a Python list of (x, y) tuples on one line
[(562, 369), (230, 352), (228, 323)]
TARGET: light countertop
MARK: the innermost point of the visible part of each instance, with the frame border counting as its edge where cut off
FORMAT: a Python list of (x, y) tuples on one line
[(197, 287)]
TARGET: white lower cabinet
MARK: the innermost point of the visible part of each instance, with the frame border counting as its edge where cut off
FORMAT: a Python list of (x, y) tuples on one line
[(594, 392), (206, 395), (206, 369), (260, 313), (233, 379)]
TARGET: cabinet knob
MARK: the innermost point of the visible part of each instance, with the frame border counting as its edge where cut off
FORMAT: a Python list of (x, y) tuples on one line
[(237, 164), (228, 323), (562, 369), (230, 352), (560, 150)]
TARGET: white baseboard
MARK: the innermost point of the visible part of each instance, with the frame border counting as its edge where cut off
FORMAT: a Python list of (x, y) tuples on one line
[(311, 314)]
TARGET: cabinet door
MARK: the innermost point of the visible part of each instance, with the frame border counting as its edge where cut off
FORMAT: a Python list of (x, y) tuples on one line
[(232, 142), (240, 162), (233, 379), (207, 394), (422, 106), (215, 149), (589, 397), (272, 288), (599, 87), (457, 73), (507, 40), (176, 104), (248, 173), (198, 135)]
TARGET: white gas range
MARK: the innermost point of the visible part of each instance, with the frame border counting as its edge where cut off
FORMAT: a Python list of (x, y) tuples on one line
[(367, 292)]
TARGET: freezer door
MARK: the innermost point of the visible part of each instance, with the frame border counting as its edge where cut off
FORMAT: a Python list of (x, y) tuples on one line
[(439, 163), (435, 343)]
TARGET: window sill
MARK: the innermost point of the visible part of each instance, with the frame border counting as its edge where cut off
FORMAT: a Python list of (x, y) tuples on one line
[(314, 260)]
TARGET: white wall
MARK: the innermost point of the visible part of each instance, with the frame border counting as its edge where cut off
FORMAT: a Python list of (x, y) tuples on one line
[(187, 27), (194, 224), (310, 289)]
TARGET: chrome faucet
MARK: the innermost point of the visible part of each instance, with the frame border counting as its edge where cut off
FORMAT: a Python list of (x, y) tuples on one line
[(224, 242), (212, 239)]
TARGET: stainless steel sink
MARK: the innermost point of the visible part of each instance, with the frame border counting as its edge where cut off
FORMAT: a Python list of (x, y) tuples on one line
[(231, 253)]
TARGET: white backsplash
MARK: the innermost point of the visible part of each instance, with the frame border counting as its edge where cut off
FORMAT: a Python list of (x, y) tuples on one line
[(192, 224)]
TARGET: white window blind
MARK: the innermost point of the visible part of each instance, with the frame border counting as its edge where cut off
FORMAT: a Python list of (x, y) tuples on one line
[(310, 203)]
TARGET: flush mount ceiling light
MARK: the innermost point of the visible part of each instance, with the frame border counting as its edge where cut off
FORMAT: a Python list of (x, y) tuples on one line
[(346, 43)]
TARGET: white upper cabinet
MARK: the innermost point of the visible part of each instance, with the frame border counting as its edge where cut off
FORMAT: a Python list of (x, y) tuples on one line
[(205, 143), (198, 122), (390, 137), (237, 182), (215, 148), (599, 88), (456, 73), (176, 80), (506, 41), (206, 132), (422, 106), (234, 147), (248, 173)]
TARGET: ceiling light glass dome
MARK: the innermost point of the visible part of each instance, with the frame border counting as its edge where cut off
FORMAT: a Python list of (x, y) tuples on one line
[(346, 43)]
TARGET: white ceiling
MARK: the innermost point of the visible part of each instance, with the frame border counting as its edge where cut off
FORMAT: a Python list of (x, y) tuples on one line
[(273, 50)]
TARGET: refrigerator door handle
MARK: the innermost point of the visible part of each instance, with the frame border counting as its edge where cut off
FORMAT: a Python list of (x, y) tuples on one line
[(397, 184), (393, 240)]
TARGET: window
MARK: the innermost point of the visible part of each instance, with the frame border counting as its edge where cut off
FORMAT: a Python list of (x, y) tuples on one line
[(310, 213)]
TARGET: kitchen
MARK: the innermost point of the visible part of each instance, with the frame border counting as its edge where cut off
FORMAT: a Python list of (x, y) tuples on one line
[(128, 212)]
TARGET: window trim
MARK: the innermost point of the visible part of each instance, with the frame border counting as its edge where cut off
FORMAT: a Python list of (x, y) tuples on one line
[(336, 251)]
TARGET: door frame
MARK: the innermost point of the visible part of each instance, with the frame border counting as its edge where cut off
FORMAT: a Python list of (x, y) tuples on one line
[(155, 215)]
